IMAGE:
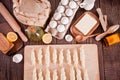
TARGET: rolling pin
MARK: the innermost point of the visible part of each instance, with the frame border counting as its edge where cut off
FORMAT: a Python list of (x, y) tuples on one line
[(14, 25)]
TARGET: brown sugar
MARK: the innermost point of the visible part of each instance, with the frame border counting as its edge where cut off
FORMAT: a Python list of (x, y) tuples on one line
[(5, 45)]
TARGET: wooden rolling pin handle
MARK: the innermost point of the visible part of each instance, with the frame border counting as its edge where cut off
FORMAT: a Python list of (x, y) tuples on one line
[(14, 25), (23, 37)]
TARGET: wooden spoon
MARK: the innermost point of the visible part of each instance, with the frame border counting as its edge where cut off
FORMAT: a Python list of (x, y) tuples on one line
[(112, 29), (80, 38)]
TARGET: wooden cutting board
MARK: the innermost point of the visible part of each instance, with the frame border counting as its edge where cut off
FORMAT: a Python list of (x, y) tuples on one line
[(5, 28), (89, 50)]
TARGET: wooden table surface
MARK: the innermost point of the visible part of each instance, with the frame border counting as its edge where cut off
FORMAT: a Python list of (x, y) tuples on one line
[(109, 57)]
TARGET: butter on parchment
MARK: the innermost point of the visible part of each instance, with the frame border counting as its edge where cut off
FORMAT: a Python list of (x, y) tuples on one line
[(86, 24)]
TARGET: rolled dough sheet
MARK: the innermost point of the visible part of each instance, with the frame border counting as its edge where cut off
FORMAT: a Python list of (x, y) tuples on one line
[(89, 50)]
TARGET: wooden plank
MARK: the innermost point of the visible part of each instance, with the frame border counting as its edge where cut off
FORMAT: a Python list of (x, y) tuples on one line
[(89, 52), (111, 54), (109, 62)]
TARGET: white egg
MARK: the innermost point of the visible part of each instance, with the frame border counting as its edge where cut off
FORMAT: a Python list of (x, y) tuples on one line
[(57, 16), (68, 38), (53, 24), (17, 58), (64, 20), (72, 4), (64, 2), (61, 9), (61, 28), (69, 12)]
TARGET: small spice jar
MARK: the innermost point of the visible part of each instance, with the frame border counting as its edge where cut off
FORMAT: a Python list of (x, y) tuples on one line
[(112, 39)]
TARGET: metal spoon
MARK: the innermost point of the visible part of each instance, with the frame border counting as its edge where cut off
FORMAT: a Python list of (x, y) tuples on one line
[(112, 29)]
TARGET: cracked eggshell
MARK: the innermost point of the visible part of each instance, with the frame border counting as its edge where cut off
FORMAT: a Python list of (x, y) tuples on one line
[(60, 28), (68, 38), (64, 20), (57, 16), (69, 12), (61, 9), (64, 2), (17, 58), (53, 24), (72, 5)]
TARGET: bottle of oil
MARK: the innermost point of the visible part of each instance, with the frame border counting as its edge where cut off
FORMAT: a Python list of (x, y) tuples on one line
[(34, 33)]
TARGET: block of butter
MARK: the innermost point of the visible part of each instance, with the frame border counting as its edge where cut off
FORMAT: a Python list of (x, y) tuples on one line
[(85, 25)]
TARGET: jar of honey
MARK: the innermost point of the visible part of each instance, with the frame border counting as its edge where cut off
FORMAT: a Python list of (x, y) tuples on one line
[(112, 39)]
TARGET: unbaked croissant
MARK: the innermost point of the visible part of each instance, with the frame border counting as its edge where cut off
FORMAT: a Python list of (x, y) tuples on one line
[(33, 59), (54, 56), (40, 56), (68, 57)]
